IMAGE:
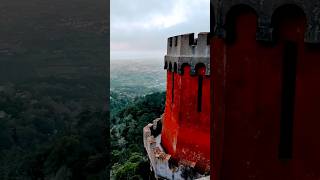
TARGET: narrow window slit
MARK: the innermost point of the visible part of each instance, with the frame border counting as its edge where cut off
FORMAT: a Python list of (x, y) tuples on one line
[(172, 90), (200, 80), (288, 96)]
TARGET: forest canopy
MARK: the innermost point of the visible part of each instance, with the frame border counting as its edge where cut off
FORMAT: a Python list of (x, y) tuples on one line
[(128, 157)]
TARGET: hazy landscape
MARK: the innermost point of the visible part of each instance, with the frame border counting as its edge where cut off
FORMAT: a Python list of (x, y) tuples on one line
[(137, 98), (137, 77), (54, 122), (53, 84)]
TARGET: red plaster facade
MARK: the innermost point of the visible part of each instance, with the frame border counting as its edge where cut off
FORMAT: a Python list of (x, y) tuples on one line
[(186, 132), (266, 99), (186, 124)]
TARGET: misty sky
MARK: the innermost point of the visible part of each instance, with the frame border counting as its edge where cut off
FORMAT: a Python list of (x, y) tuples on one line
[(140, 28)]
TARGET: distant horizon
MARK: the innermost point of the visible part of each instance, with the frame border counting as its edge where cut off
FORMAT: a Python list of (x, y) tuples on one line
[(138, 59), (136, 55)]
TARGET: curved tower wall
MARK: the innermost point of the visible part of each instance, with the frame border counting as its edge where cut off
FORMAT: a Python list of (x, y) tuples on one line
[(266, 95), (186, 123)]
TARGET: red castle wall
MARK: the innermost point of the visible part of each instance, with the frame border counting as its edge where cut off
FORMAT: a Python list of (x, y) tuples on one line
[(248, 81), (186, 132)]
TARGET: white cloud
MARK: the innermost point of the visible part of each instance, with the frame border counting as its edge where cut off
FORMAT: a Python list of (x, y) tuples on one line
[(176, 16), (144, 25), (179, 13)]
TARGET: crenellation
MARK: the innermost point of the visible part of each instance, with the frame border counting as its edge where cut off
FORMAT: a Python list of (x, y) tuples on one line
[(187, 45), (169, 45), (202, 47), (189, 50)]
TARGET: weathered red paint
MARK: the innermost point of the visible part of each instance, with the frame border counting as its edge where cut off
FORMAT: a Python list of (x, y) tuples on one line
[(247, 104), (186, 132)]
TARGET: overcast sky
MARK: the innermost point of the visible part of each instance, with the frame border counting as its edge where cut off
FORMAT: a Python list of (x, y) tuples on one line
[(140, 28)]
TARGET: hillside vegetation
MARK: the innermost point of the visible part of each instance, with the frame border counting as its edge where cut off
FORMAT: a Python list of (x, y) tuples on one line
[(49, 137), (128, 157), (53, 89)]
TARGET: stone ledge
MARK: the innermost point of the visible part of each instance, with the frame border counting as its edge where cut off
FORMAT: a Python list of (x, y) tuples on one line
[(160, 161)]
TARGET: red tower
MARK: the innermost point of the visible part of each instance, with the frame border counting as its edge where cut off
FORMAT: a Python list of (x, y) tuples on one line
[(266, 116), (183, 141), (186, 124)]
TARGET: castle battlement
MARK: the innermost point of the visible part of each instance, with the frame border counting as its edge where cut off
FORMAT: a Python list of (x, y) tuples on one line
[(187, 50), (178, 143)]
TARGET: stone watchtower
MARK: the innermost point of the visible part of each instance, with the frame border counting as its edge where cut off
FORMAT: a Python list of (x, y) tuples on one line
[(266, 112), (178, 144)]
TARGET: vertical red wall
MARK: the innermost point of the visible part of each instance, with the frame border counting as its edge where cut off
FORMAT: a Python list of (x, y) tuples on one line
[(170, 125), (186, 132), (307, 104), (247, 105)]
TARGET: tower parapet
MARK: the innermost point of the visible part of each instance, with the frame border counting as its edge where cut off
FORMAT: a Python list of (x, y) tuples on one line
[(187, 50), (182, 149)]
